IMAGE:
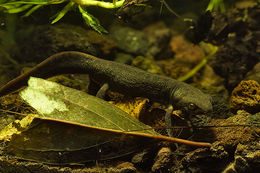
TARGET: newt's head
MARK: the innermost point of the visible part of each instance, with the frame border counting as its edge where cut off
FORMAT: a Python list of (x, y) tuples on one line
[(191, 100)]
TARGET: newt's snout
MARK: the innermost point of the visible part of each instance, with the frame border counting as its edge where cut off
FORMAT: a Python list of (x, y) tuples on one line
[(192, 100), (205, 105)]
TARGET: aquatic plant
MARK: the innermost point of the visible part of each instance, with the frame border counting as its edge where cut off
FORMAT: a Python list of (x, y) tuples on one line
[(17, 6), (216, 5)]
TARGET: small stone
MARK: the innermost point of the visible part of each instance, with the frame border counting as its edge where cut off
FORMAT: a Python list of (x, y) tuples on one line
[(212, 159), (130, 40), (246, 96), (126, 167), (240, 164), (163, 161), (247, 159), (141, 159), (123, 58), (159, 36), (148, 64)]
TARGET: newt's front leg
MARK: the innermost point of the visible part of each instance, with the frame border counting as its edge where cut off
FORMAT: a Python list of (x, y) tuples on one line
[(169, 123), (168, 120), (102, 91)]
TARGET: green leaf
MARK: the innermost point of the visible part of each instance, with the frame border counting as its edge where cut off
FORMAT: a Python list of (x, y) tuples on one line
[(33, 9), (42, 2), (92, 21), (20, 6), (54, 101), (63, 12), (23, 5), (19, 9)]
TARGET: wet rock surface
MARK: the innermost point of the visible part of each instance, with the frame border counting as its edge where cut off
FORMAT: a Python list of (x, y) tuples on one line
[(130, 40), (235, 132), (163, 160), (246, 96), (204, 160), (150, 41), (246, 159), (46, 40), (234, 59)]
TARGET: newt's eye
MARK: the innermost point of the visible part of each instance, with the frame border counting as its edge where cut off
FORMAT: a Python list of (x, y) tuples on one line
[(192, 107)]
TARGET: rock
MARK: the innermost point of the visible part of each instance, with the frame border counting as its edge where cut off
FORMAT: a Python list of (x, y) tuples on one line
[(130, 40), (254, 120), (151, 41), (46, 40), (124, 58), (186, 51), (163, 161), (230, 137), (147, 64), (212, 160), (211, 79), (246, 96), (246, 159), (254, 74), (159, 36), (186, 56), (104, 45), (126, 167), (234, 59), (238, 45), (144, 159), (251, 155)]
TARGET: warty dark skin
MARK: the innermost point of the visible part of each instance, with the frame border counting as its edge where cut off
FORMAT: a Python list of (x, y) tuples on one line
[(122, 78)]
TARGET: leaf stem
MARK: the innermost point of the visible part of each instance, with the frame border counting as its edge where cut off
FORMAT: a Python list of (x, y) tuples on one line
[(114, 4)]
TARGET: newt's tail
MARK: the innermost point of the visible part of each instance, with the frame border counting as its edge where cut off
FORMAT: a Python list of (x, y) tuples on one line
[(60, 63)]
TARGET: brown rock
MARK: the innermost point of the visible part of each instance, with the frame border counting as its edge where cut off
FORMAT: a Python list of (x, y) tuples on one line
[(246, 96), (185, 51), (246, 159), (163, 160), (212, 159), (126, 167), (230, 137)]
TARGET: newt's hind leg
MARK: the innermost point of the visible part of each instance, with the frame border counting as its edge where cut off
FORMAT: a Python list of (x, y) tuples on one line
[(93, 87), (168, 121), (102, 91)]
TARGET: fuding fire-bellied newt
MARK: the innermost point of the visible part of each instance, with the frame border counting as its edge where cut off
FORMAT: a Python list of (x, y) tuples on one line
[(122, 78)]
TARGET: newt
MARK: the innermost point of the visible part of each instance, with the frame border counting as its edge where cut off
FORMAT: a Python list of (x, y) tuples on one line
[(122, 78)]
